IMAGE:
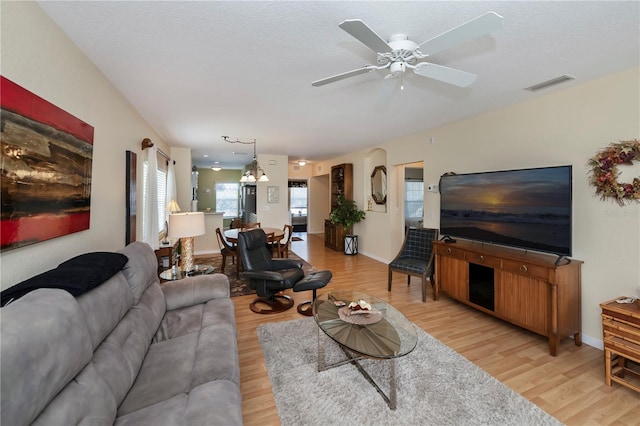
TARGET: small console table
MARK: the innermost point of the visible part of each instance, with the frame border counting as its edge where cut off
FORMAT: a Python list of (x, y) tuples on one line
[(621, 332), (527, 289)]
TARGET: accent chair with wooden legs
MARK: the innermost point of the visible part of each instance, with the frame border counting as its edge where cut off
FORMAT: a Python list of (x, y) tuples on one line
[(416, 258)]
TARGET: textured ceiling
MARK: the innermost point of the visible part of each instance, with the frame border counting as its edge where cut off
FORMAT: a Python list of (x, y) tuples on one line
[(199, 70)]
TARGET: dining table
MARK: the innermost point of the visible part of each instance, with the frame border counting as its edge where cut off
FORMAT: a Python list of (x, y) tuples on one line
[(231, 235)]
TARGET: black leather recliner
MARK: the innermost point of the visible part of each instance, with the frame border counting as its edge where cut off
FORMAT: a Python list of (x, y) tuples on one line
[(269, 277)]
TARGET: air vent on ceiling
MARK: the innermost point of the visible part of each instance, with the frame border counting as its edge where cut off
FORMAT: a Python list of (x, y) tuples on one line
[(549, 83)]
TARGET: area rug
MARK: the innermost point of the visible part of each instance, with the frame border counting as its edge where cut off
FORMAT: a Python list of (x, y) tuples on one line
[(239, 286), (435, 385)]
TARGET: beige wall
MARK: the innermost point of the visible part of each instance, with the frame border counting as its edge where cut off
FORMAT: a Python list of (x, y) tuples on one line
[(273, 214), (567, 127), (207, 180), (38, 56)]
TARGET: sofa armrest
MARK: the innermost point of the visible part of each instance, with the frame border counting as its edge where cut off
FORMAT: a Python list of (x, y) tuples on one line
[(195, 290)]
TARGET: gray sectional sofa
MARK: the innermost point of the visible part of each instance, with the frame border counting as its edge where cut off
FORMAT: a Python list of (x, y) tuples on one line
[(128, 352)]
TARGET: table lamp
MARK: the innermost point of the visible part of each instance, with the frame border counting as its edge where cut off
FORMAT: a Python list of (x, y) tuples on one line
[(173, 207), (186, 226)]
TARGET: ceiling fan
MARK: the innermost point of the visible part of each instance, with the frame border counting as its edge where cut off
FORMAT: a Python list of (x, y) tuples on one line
[(400, 53)]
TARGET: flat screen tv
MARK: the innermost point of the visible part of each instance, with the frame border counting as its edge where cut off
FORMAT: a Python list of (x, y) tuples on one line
[(527, 208)]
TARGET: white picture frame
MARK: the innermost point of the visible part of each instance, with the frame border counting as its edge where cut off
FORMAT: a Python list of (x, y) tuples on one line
[(273, 194)]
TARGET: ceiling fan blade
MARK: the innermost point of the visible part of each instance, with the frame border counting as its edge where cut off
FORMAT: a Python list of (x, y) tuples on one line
[(365, 69), (448, 75), (365, 35), (477, 27)]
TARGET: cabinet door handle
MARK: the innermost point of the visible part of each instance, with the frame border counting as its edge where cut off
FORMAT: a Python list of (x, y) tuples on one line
[(449, 250), (523, 268), (481, 258)]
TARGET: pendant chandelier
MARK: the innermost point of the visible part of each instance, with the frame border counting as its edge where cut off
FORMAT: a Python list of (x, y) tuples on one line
[(256, 173)]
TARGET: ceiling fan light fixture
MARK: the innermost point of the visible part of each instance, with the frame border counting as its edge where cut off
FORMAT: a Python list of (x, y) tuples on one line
[(302, 163), (250, 175), (397, 68), (400, 53)]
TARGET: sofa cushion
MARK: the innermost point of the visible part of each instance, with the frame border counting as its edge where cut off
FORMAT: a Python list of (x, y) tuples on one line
[(199, 343), (119, 357), (142, 268), (45, 343), (213, 403), (179, 322), (195, 290), (86, 400), (165, 373), (227, 409), (105, 306), (216, 356)]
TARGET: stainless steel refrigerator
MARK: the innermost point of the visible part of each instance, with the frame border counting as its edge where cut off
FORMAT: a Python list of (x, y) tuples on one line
[(248, 202)]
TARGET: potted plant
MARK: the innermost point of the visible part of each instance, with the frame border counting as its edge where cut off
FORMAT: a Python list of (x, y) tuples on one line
[(347, 214)]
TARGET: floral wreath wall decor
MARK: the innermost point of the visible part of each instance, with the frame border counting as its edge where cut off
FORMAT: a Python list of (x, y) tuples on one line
[(604, 172)]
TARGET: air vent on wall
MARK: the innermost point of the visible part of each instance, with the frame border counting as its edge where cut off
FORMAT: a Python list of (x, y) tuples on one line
[(549, 83)]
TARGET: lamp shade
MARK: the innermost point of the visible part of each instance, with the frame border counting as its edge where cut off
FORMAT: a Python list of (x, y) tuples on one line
[(184, 225)]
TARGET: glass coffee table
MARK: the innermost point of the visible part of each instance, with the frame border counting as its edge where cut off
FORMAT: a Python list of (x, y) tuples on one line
[(178, 274), (383, 333)]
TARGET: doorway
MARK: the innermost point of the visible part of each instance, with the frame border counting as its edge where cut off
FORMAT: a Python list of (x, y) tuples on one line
[(298, 204), (413, 195)]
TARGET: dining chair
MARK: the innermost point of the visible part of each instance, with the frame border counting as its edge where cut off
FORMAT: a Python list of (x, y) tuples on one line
[(285, 242), (272, 243), (250, 225), (227, 250), (236, 223)]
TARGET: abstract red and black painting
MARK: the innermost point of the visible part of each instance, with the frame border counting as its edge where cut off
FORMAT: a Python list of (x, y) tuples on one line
[(47, 155)]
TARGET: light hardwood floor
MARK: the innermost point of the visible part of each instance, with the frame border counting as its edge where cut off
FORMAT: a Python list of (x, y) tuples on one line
[(570, 386)]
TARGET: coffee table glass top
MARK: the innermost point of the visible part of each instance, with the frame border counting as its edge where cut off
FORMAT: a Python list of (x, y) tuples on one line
[(390, 337), (178, 274)]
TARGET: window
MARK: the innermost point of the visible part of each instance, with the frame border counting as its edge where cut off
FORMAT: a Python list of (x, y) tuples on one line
[(413, 199), (227, 199), (298, 201), (161, 179)]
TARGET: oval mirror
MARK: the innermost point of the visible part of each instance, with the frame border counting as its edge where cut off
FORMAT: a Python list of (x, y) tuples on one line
[(379, 185)]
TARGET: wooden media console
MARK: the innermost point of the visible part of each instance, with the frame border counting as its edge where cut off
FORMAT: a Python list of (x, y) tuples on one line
[(527, 289)]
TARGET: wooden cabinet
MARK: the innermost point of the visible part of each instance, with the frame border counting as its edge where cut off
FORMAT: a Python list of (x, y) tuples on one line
[(621, 336), (453, 276), (524, 288), (341, 184), (334, 236)]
